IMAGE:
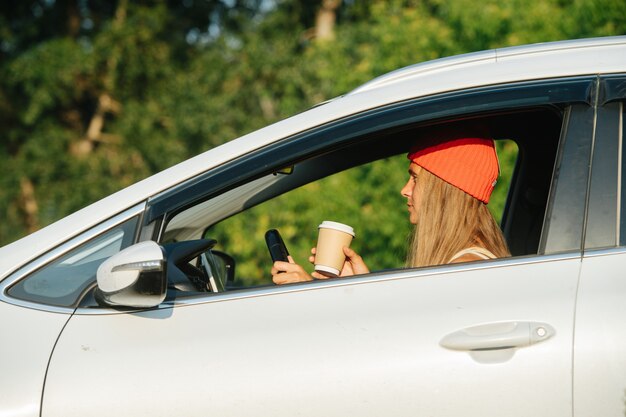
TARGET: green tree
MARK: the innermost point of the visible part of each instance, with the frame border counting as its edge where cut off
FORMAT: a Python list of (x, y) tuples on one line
[(87, 104), (95, 95)]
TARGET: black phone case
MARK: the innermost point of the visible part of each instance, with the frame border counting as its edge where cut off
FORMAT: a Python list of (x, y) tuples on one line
[(276, 246)]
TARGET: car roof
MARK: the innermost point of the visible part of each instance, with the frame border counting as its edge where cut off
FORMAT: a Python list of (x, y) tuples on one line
[(546, 55), (529, 62)]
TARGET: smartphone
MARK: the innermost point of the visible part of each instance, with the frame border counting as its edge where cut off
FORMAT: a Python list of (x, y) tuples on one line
[(276, 246)]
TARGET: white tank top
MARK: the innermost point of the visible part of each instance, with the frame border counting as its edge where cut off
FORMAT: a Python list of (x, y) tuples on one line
[(482, 253)]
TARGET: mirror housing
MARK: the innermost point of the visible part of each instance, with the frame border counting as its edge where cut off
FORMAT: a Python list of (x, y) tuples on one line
[(133, 277)]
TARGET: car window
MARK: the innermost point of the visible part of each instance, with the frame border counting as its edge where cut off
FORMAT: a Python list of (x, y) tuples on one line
[(343, 172), (366, 197), (63, 281)]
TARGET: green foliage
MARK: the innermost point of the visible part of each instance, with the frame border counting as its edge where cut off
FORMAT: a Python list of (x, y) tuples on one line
[(586, 18), (41, 89), (507, 155), (181, 77)]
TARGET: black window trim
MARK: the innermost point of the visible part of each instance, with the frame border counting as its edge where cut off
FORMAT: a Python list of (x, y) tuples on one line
[(602, 220), (567, 202)]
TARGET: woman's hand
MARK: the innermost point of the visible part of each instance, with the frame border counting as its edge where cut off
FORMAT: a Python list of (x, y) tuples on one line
[(354, 264), (289, 272)]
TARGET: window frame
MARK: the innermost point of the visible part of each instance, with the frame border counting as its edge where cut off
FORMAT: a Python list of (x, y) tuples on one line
[(605, 228), (602, 229)]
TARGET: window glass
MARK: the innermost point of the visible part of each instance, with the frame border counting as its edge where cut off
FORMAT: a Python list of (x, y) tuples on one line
[(61, 282)]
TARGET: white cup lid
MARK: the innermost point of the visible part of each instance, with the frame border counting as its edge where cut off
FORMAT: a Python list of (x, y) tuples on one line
[(326, 224)]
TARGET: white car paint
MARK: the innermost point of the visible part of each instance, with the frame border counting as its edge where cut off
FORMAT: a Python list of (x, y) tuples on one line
[(600, 337), (28, 337)]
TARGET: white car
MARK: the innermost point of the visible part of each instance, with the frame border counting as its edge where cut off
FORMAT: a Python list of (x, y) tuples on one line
[(128, 308)]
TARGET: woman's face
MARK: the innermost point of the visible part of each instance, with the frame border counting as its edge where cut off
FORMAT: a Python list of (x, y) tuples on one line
[(413, 191)]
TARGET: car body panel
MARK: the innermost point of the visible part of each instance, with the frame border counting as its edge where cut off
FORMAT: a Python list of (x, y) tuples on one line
[(600, 336), (368, 348), (537, 52), (603, 55), (28, 337)]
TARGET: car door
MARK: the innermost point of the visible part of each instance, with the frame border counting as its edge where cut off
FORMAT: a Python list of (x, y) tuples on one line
[(37, 301), (484, 338), (600, 337), (367, 347), (28, 337)]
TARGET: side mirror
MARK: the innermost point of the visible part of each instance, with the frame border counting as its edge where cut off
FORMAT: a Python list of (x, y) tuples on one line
[(220, 268), (227, 263), (134, 277)]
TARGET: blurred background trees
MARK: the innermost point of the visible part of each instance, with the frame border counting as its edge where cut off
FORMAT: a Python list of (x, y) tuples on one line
[(96, 94)]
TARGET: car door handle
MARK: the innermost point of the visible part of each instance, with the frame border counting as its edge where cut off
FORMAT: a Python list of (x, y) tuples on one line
[(502, 335)]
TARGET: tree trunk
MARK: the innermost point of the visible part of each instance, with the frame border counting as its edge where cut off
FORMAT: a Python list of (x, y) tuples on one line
[(325, 20), (28, 205), (73, 18), (106, 104)]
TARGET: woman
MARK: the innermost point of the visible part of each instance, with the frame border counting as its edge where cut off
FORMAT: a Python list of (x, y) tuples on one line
[(451, 178)]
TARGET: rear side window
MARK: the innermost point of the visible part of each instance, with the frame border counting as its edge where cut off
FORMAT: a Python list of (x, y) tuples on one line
[(62, 282)]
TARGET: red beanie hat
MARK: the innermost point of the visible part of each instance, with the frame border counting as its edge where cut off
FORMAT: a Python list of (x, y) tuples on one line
[(468, 163)]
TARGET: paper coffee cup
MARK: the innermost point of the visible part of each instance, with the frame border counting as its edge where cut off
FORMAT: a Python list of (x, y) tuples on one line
[(329, 256)]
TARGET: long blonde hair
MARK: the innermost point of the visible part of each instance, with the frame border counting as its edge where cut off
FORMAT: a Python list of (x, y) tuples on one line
[(448, 221)]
